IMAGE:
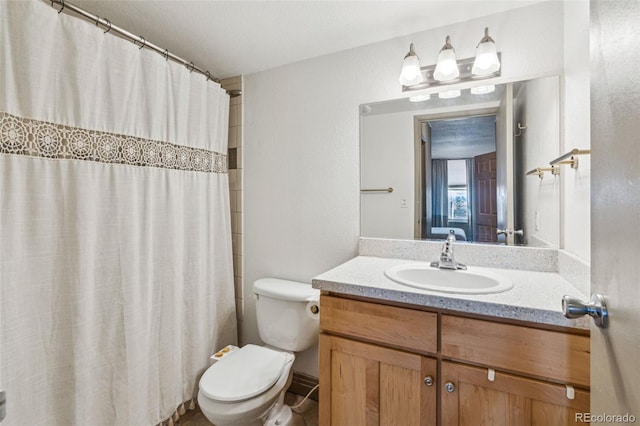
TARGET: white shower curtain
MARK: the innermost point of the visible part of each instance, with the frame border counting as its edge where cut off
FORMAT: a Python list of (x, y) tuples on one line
[(116, 279)]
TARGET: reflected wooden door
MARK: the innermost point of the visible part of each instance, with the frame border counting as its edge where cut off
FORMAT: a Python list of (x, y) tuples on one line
[(485, 212)]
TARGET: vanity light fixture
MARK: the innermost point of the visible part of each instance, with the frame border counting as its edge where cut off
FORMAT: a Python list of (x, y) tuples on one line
[(410, 74), (447, 66), (448, 70), (487, 61)]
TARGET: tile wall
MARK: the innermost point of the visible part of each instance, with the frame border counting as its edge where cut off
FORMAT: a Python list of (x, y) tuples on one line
[(235, 189)]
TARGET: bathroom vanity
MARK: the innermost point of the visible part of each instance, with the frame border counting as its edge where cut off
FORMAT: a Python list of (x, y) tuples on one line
[(390, 354)]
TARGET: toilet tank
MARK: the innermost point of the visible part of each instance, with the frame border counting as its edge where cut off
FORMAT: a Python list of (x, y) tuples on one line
[(287, 313)]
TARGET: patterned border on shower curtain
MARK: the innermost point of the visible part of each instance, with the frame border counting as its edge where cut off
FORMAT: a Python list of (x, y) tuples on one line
[(24, 136)]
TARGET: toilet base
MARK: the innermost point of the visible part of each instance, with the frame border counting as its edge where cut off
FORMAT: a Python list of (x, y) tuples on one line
[(280, 414)]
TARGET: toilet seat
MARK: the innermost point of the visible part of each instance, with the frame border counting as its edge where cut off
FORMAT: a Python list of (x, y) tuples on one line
[(247, 372)]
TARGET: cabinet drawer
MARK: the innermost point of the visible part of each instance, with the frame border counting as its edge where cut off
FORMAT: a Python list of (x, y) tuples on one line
[(557, 356), (387, 325)]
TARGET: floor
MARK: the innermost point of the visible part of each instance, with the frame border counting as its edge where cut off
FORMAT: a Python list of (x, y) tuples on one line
[(305, 415)]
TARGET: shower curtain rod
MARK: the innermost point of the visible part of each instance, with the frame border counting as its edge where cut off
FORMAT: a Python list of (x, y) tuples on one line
[(137, 40)]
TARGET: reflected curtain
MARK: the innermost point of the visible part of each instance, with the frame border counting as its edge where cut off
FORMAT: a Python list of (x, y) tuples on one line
[(471, 204), (116, 279), (439, 193)]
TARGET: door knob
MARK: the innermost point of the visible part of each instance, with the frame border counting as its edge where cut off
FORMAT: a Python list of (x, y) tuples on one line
[(428, 381), (573, 307), (508, 231), (449, 387)]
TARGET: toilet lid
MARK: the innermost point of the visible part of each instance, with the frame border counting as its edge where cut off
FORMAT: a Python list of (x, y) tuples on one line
[(245, 373)]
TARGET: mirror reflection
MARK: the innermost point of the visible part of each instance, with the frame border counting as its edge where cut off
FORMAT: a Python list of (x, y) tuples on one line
[(459, 164), (460, 193)]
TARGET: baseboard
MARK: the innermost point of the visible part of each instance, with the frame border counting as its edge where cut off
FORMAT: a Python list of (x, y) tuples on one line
[(302, 384)]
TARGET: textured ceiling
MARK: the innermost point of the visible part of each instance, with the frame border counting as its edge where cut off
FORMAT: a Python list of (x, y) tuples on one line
[(463, 137), (230, 38)]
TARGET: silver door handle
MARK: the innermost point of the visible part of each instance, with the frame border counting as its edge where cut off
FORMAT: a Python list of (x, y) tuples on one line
[(573, 307)]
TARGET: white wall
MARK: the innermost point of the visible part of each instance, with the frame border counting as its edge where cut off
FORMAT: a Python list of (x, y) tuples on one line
[(301, 141), (387, 160)]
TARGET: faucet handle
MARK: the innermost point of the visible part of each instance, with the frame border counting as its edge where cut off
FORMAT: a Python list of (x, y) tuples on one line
[(451, 236)]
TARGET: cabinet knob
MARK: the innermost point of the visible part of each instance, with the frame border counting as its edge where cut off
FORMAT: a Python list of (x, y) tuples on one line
[(449, 387), (428, 381)]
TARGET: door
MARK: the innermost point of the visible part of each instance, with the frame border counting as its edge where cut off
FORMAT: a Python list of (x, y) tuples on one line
[(485, 212), (615, 205), (470, 398), (364, 384), (504, 154)]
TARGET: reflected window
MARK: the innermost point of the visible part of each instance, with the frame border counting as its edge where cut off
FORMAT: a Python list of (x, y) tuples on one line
[(458, 205)]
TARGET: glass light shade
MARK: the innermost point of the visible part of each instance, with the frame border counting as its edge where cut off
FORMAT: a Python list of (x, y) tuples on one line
[(486, 61), (420, 98), (481, 90), (449, 94), (446, 67), (410, 74)]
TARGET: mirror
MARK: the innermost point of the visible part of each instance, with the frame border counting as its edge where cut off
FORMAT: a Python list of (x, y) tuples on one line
[(460, 164)]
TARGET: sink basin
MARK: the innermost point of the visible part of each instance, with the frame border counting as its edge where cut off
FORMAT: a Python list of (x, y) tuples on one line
[(474, 280)]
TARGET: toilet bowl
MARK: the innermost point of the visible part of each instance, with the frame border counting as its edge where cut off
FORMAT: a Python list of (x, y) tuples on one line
[(243, 388), (247, 387)]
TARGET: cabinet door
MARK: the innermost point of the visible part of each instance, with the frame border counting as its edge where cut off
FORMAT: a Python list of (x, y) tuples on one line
[(507, 400), (364, 384)]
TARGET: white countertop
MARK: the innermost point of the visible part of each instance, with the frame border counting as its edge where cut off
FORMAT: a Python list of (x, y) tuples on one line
[(535, 296)]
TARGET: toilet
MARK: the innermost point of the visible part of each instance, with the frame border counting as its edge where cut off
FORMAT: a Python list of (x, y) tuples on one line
[(247, 387)]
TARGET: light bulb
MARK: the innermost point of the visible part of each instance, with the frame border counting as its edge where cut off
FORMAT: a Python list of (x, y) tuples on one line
[(449, 94), (446, 67), (486, 61), (481, 90), (420, 98), (410, 75)]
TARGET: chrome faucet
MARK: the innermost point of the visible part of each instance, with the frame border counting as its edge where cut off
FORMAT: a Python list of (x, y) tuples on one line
[(447, 260)]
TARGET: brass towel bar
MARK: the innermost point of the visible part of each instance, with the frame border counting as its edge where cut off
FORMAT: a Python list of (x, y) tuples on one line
[(377, 190), (571, 154), (539, 171), (562, 160)]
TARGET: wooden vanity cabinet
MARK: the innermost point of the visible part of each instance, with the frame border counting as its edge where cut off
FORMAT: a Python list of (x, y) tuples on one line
[(469, 398), (389, 365), (365, 384)]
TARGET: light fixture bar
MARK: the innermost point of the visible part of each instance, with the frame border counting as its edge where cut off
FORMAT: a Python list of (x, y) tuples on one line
[(464, 65)]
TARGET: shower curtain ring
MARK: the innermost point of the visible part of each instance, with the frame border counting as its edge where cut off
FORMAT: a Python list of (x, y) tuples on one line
[(208, 74), (143, 44), (62, 8), (166, 54), (108, 22), (190, 68)]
